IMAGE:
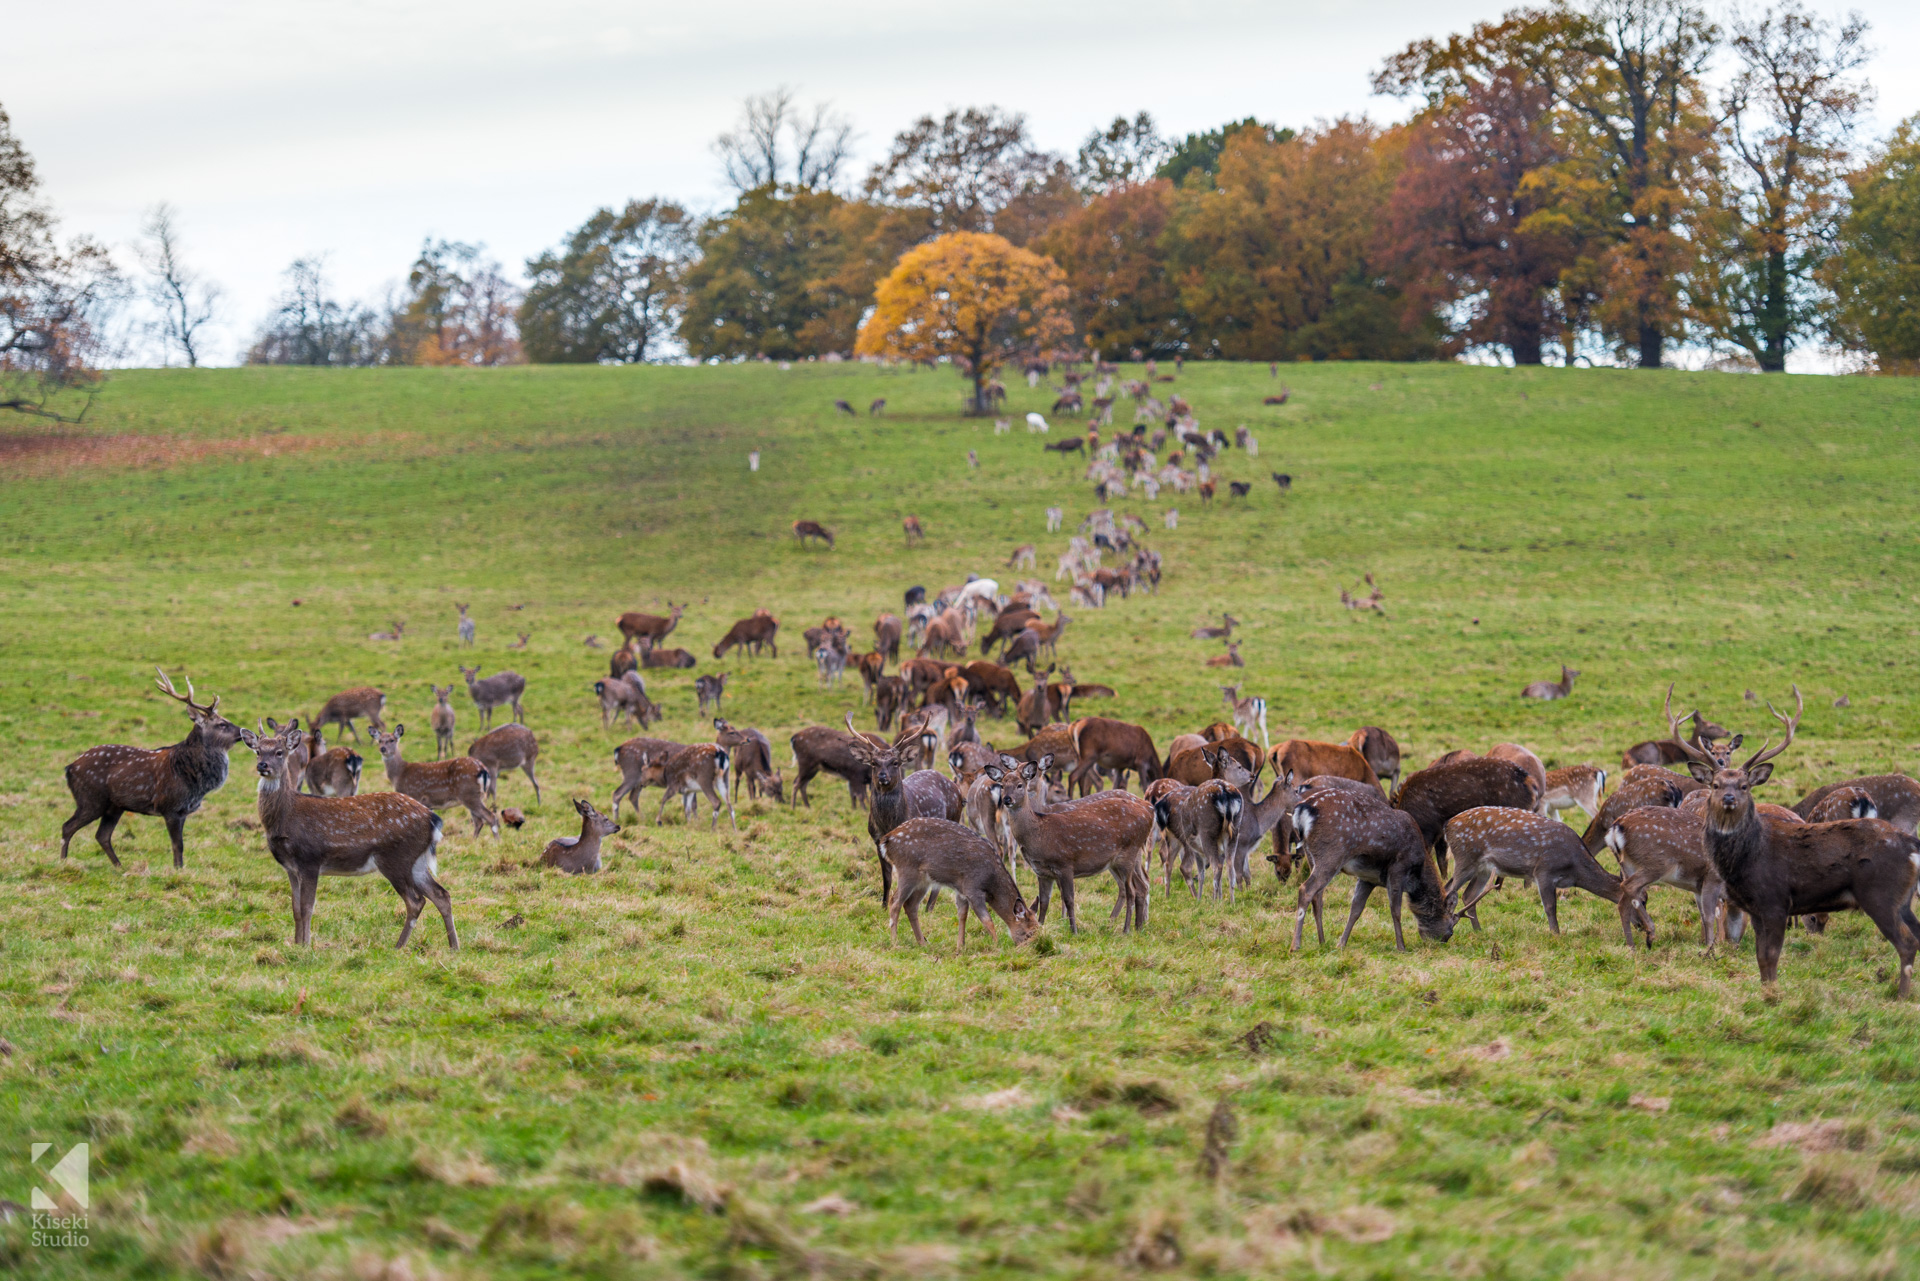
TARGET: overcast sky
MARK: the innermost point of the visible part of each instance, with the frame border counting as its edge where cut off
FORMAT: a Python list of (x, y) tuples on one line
[(356, 128)]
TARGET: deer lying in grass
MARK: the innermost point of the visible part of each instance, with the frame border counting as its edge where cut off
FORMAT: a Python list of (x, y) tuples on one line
[(578, 855), (1356, 832), (438, 784), (313, 836), (502, 689), (509, 747), (1774, 871), (931, 854), (343, 709), (1550, 690), (1107, 832), (1223, 632), (170, 783), (1493, 842)]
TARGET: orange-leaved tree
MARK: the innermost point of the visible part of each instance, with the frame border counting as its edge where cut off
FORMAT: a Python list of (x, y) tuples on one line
[(971, 297)]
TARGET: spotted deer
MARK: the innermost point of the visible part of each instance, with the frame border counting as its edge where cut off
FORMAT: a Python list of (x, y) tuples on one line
[(691, 772), (329, 771), (1249, 713), (1574, 785), (931, 854), (580, 854), (438, 784), (1665, 845), (1107, 832), (441, 718), (1356, 832), (1493, 842)]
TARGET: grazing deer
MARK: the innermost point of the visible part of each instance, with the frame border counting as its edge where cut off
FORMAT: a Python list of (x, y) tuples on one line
[(510, 747), (441, 718), (1299, 759), (315, 836), (328, 771), (1550, 690), (844, 408), (1381, 752), (893, 800), (995, 684), (466, 625), (393, 635), (1223, 632), (1356, 832), (692, 771), (1107, 832), (1055, 518), (650, 629), (1248, 713), (438, 784), (1659, 845), (1493, 842), (751, 634), (1896, 797), (805, 529), (1283, 480), (626, 697), (1024, 557), (1774, 871), (580, 854), (1023, 646), (1229, 659), (886, 637), (364, 703), (642, 764), (931, 854), (874, 410), (911, 527), (169, 783), (1526, 760), (1238, 489), (502, 689), (1436, 794), (709, 690), (1574, 785)]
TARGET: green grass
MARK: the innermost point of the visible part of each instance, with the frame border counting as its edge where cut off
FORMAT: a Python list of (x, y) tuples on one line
[(656, 1071)]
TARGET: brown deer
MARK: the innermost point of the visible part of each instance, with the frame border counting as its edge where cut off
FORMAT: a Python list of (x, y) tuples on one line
[(1104, 833), (820, 748), (872, 666), (1526, 760), (652, 656), (169, 782), (1197, 760), (691, 772), (394, 635), (315, 836), (1439, 792), (364, 703), (1642, 786), (441, 718), (751, 634), (1204, 821), (1356, 832), (642, 764), (1248, 713), (509, 747), (438, 784), (1223, 632), (1774, 871), (930, 854), (891, 696), (994, 683), (328, 771), (580, 854), (1843, 801), (946, 636), (911, 527), (623, 698), (805, 529), (1007, 624), (1103, 746), (1229, 659), (1382, 753), (751, 754), (893, 800), (1663, 845), (502, 689), (1895, 796), (709, 690), (1023, 557), (1550, 690), (650, 629), (886, 637), (1574, 785), (1049, 633), (1493, 842), (1299, 759)]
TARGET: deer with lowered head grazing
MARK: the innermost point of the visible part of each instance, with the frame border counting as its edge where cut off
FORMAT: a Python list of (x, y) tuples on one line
[(805, 529), (642, 764), (509, 747), (911, 528), (363, 703), (502, 689), (751, 634), (169, 783), (931, 854), (1494, 842), (1550, 690), (438, 784), (897, 794), (623, 698), (315, 836), (1356, 832), (580, 854), (1776, 871), (441, 718), (751, 756), (1107, 832)]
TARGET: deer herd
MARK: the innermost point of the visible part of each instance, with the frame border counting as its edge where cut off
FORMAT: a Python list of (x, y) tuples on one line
[(947, 809)]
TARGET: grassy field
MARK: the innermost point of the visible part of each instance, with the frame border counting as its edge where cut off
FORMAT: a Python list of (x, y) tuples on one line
[(710, 1060)]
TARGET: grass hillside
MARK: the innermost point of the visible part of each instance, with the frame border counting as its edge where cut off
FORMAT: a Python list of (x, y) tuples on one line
[(710, 1059)]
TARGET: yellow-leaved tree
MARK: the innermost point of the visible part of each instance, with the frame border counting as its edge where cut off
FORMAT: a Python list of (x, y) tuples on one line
[(973, 298)]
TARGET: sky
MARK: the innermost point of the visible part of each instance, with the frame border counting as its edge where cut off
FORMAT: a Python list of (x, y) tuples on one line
[(353, 129)]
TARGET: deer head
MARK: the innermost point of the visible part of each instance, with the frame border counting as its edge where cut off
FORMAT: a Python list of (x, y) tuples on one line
[(272, 752), (883, 761), (601, 823), (389, 743), (1730, 795), (219, 732)]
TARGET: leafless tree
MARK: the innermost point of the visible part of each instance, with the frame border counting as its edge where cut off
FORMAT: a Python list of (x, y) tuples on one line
[(186, 301), (777, 142), (309, 326), (1125, 153)]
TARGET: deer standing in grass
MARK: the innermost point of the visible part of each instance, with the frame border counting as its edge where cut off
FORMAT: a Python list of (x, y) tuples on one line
[(329, 771), (501, 689), (1354, 831), (1662, 845), (509, 747), (1107, 832), (580, 854), (1574, 785), (1493, 842), (170, 782), (931, 854), (1249, 713), (364, 703), (438, 784), (315, 836), (1774, 871), (466, 625), (442, 720)]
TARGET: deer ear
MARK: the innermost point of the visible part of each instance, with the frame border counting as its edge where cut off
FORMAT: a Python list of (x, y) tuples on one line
[(1046, 762), (400, 731), (993, 772), (1759, 774), (1701, 771), (248, 737)]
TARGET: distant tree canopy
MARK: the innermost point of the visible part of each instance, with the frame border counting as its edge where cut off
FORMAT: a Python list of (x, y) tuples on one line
[(457, 310), (310, 326), (612, 294), (1200, 152), (1876, 271)]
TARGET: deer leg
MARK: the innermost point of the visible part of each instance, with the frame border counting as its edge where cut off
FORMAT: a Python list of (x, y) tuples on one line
[(79, 820), (1628, 912), (1310, 892), (1549, 899), (527, 769), (1043, 895), (913, 915), (444, 902), (659, 815), (411, 896), (303, 887), (886, 877), (177, 834), (1770, 935), (518, 715), (1362, 890), (104, 834), (1889, 917), (1067, 903)]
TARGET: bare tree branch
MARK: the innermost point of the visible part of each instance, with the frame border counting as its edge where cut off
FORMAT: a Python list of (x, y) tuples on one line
[(187, 303)]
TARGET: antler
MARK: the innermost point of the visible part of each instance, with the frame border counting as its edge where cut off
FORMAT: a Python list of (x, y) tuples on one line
[(1693, 750), (1766, 752), (166, 684)]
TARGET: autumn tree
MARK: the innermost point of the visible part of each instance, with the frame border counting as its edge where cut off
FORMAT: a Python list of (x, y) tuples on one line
[(1114, 253), (1200, 152), (52, 299), (1875, 270), (960, 172), (972, 298), (1789, 114), (612, 293), (457, 308)]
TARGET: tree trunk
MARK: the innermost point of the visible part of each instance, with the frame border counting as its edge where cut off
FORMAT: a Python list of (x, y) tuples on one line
[(1525, 344), (1774, 323), (1652, 344)]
